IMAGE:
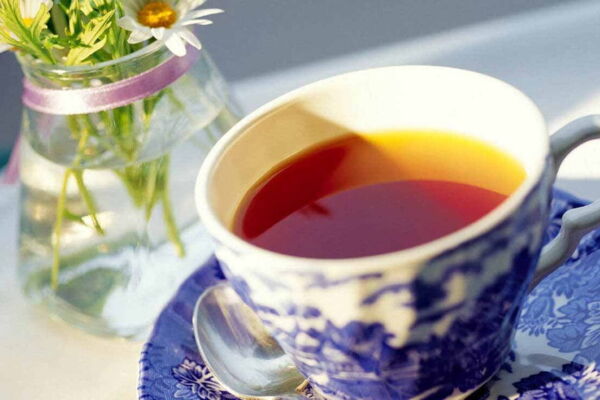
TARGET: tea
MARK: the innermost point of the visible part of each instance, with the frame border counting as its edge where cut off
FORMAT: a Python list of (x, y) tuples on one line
[(362, 195)]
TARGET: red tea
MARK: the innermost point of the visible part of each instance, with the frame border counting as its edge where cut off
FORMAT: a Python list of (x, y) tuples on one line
[(362, 195)]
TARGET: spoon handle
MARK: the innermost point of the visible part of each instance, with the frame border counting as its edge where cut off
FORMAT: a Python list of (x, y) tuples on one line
[(293, 397)]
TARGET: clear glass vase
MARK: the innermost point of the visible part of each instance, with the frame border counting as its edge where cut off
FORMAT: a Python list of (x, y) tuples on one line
[(108, 226)]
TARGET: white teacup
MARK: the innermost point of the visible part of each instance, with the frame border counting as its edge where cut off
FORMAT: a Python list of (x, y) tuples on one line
[(434, 321)]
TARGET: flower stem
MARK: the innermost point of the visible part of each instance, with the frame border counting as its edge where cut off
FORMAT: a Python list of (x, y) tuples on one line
[(57, 230), (88, 200), (146, 182), (61, 207), (78, 173), (172, 231), (151, 183)]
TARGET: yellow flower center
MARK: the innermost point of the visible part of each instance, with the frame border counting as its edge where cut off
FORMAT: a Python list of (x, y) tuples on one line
[(157, 14), (27, 22)]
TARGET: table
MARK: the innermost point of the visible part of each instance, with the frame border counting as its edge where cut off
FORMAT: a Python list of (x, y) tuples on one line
[(552, 54)]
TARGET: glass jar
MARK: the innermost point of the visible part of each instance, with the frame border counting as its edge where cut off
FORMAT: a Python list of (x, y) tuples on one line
[(108, 225)]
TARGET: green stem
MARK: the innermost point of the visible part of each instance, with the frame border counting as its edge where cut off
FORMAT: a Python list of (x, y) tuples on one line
[(123, 132), (130, 187), (146, 182), (106, 120), (88, 200), (149, 104), (172, 231), (109, 126), (151, 188), (83, 190), (35, 45), (57, 230), (61, 207), (89, 126), (73, 124)]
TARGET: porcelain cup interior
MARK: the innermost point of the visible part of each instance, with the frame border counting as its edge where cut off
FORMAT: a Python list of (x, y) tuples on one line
[(371, 101)]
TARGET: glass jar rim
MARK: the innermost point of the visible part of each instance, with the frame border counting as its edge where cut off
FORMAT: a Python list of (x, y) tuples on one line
[(31, 62)]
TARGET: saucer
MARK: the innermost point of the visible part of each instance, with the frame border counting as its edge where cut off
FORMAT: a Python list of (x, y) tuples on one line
[(554, 355)]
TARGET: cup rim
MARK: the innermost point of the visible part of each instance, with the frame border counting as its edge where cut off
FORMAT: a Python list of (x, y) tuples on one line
[(411, 256)]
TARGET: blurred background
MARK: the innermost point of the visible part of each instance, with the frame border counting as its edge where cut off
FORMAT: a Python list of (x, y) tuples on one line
[(256, 37)]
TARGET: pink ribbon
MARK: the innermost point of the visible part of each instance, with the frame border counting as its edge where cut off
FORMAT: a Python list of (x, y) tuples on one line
[(108, 96)]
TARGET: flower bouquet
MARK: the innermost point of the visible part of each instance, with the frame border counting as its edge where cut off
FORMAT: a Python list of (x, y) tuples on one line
[(120, 108)]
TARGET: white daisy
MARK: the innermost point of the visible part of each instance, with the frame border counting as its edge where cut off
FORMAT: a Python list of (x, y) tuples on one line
[(166, 21), (30, 8)]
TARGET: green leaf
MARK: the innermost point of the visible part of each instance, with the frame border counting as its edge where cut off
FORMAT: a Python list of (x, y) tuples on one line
[(92, 39), (6, 38), (17, 34), (64, 42), (86, 6), (79, 54), (76, 18), (39, 21)]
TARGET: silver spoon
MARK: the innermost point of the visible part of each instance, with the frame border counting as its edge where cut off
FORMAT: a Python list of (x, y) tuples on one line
[(238, 350)]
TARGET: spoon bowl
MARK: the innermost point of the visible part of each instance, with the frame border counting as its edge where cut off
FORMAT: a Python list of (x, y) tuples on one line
[(238, 350)]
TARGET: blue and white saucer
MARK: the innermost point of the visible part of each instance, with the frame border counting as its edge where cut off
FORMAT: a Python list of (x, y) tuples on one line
[(556, 346)]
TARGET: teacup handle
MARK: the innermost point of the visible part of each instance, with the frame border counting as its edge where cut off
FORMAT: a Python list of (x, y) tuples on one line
[(578, 221)]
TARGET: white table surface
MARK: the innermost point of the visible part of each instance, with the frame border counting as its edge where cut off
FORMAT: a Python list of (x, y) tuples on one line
[(553, 55)]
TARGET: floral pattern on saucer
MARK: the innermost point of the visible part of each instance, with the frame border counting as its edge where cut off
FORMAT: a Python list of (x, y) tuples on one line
[(195, 381), (557, 344), (170, 366)]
